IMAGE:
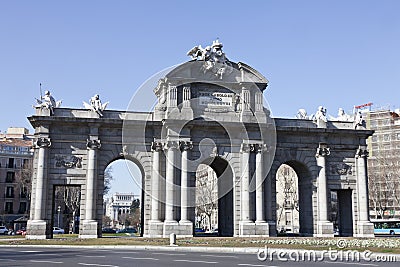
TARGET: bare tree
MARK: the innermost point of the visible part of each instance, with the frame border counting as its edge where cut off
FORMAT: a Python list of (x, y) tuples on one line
[(24, 180), (206, 195), (383, 182), (108, 178), (287, 198), (71, 197)]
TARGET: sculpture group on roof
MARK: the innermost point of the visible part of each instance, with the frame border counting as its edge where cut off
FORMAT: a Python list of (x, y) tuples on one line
[(321, 120), (215, 60), (48, 102)]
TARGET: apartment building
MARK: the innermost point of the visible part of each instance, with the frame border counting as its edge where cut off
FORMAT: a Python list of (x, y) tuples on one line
[(16, 156)]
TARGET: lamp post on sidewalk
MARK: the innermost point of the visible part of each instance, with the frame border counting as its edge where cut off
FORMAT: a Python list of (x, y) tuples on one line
[(58, 218)]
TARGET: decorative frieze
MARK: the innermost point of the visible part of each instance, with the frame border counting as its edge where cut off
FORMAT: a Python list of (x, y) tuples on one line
[(341, 169), (73, 162)]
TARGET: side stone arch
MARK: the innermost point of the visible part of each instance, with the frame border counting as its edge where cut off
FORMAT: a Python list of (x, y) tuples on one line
[(304, 165)]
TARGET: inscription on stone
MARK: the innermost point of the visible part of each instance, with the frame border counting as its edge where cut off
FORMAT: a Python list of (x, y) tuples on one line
[(216, 99)]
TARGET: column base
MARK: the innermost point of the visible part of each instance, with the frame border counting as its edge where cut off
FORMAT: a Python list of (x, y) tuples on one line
[(181, 229), (185, 229), (170, 227), (37, 229), (324, 229), (88, 229), (247, 228), (365, 229), (155, 229), (262, 228)]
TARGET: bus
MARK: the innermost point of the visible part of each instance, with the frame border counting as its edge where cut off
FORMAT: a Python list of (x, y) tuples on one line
[(386, 226)]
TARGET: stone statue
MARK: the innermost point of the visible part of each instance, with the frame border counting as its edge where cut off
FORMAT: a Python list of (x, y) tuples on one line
[(48, 102), (214, 59), (358, 120), (302, 114), (342, 116), (96, 105), (320, 117)]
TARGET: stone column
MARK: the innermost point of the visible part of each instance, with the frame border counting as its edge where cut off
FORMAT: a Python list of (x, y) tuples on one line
[(364, 227), (37, 225), (185, 225), (259, 183), (172, 147), (245, 194), (324, 227), (155, 182), (155, 224), (89, 229), (262, 227), (185, 146), (246, 226)]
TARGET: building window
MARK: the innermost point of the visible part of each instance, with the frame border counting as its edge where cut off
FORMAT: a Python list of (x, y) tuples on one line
[(22, 207), (10, 163), (373, 124), (9, 208), (398, 136), (386, 122), (386, 137), (10, 192), (374, 138), (10, 177), (24, 192)]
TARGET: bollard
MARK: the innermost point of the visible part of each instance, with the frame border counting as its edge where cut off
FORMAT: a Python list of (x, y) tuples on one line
[(172, 239)]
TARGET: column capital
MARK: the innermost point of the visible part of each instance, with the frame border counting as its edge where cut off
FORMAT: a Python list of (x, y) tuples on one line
[(323, 150), (186, 145), (245, 148), (156, 146), (362, 152), (93, 144), (174, 144), (259, 148), (43, 142)]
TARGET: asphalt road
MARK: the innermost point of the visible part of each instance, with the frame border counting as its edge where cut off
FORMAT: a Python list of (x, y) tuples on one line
[(42, 257)]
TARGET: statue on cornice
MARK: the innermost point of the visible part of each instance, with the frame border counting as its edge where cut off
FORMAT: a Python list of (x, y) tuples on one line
[(214, 58), (302, 114), (320, 117), (48, 102), (96, 105), (342, 116)]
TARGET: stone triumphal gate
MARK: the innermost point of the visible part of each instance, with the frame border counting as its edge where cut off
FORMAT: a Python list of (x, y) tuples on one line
[(209, 111)]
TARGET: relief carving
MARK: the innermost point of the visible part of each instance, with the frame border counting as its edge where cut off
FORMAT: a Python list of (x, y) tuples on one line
[(73, 162)]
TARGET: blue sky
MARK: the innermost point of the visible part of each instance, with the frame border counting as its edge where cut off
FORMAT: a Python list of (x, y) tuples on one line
[(333, 53)]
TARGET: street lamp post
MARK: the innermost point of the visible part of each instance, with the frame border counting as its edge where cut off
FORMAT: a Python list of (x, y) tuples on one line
[(58, 212)]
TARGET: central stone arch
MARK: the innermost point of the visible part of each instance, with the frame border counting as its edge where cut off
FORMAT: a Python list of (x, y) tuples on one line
[(209, 107)]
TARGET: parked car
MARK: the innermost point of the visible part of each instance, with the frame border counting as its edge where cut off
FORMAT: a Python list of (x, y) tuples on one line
[(199, 230), (21, 231), (127, 230), (57, 230), (3, 230), (108, 231)]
